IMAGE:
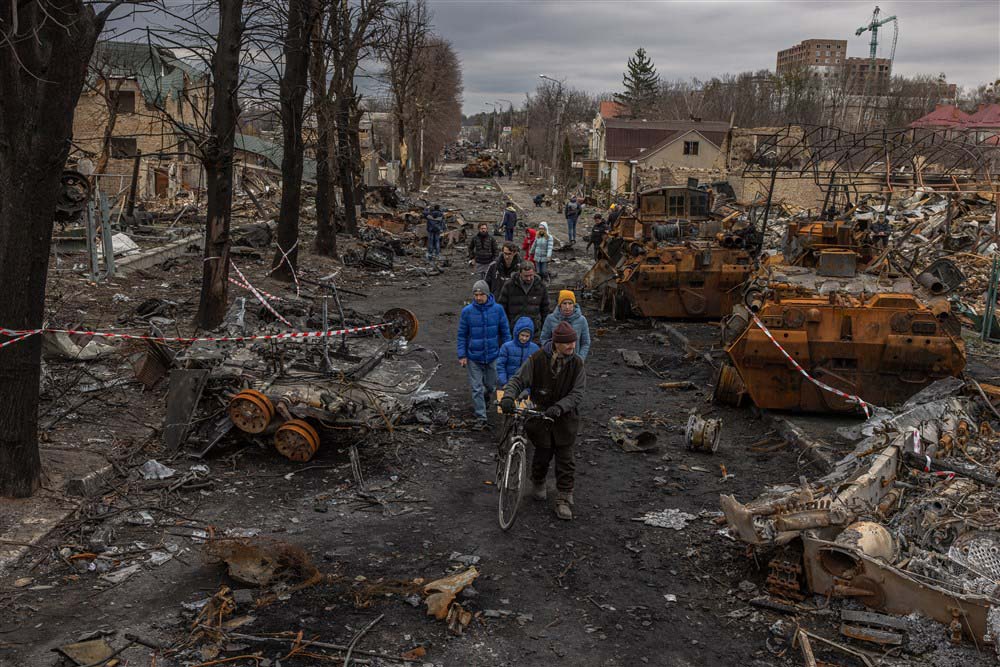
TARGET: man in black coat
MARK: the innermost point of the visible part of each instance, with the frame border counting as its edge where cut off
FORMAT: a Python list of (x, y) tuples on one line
[(503, 269), (556, 378), (525, 295), (482, 250)]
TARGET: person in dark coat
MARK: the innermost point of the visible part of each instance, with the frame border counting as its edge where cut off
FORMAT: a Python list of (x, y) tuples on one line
[(539, 199), (505, 267), (482, 250), (614, 213), (435, 227), (573, 211), (597, 234), (482, 330), (509, 222), (525, 295), (556, 378)]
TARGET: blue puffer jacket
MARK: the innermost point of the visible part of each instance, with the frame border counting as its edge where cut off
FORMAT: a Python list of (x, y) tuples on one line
[(577, 321), (515, 353), (482, 329)]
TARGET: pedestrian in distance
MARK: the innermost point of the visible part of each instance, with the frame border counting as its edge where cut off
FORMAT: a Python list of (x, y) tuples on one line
[(541, 249), (568, 310), (572, 211), (539, 199), (509, 222), (525, 296), (435, 227), (501, 270), (482, 331), (556, 377), (597, 234), (482, 250)]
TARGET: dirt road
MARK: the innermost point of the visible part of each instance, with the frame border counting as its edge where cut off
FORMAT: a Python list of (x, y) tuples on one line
[(603, 589)]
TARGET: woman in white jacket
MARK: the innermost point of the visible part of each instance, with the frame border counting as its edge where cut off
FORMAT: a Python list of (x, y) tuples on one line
[(542, 250)]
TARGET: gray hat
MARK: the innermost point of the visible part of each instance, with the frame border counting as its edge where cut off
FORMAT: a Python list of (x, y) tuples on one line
[(481, 286)]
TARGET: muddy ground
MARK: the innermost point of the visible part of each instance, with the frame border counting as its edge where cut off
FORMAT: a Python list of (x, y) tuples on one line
[(603, 589)]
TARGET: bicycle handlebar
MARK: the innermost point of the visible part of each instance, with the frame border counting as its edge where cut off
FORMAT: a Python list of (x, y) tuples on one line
[(528, 412)]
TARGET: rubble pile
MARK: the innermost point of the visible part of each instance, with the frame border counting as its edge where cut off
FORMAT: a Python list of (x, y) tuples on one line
[(907, 522)]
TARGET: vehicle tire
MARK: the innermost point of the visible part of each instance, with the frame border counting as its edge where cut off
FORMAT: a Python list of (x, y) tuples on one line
[(510, 483)]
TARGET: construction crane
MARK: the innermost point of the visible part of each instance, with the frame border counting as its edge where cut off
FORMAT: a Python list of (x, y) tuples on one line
[(874, 25)]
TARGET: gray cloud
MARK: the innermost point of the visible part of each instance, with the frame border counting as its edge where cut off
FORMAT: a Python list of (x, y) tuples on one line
[(504, 45)]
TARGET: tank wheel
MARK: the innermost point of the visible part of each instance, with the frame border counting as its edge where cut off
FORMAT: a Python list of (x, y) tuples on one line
[(251, 411), (297, 440), (729, 387), (621, 307)]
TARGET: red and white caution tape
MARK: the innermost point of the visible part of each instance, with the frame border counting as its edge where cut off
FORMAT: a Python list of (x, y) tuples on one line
[(246, 286), (258, 295), (20, 334), (848, 397)]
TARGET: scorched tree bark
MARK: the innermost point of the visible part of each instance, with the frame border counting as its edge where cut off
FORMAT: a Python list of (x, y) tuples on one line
[(45, 46), (302, 15), (218, 162)]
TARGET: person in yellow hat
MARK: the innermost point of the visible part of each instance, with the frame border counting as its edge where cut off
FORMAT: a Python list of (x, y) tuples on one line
[(568, 311)]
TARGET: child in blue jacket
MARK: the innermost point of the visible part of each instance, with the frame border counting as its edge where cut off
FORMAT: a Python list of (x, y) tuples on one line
[(516, 352)]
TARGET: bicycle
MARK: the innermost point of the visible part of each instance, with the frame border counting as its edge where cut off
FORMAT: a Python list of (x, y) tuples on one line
[(511, 464)]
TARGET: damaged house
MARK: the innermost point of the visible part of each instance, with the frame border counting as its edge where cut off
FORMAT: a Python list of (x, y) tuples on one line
[(620, 149), (142, 103)]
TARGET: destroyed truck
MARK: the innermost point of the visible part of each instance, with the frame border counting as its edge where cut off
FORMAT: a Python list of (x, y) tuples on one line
[(814, 332), (672, 259)]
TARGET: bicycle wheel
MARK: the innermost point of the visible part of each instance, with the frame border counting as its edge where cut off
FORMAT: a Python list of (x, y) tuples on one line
[(512, 478)]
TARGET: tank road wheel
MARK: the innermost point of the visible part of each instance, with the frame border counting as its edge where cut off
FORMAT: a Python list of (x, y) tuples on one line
[(729, 387), (297, 440), (621, 307), (404, 324), (250, 411)]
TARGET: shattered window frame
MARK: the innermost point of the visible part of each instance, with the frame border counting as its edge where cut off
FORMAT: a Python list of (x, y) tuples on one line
[(123, 147)]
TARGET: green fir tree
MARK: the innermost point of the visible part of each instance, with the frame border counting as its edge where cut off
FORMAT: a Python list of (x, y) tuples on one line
[(642, 85)]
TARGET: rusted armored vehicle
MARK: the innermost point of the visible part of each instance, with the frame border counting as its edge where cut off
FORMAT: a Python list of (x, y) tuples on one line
[(483, 167), (672, 259), (852, 335)]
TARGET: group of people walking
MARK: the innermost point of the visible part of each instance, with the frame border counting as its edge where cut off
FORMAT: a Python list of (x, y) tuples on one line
[(507, 362), (515, 344)]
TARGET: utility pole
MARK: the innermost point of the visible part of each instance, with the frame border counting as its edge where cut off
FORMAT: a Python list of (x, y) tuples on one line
[(555, 142)]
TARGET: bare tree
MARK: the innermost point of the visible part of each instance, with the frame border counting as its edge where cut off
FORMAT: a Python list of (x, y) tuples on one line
[(437, 103), (409, 27), (218, 161), (302, 17), (45, 46)]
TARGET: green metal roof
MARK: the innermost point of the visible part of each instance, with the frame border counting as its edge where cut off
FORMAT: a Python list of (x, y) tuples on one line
[(159, 73), (273, 153)]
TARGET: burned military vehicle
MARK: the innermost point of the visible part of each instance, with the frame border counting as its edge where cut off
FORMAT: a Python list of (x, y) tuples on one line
[(672, 259), (815, 332)]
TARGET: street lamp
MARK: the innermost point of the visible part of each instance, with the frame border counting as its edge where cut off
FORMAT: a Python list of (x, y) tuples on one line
[(555, 142)]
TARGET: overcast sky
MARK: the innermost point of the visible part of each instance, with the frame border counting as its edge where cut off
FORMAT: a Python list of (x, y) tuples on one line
[(505, 44)]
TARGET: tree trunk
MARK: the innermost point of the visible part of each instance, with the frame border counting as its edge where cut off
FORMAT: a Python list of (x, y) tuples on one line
[(344, 166), (42, 70), (326, 231), (326, 234), (294, 81), (219, 166), (401, 137)]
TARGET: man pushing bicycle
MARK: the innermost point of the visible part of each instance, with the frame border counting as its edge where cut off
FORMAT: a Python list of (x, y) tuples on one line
[(555, 375)]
